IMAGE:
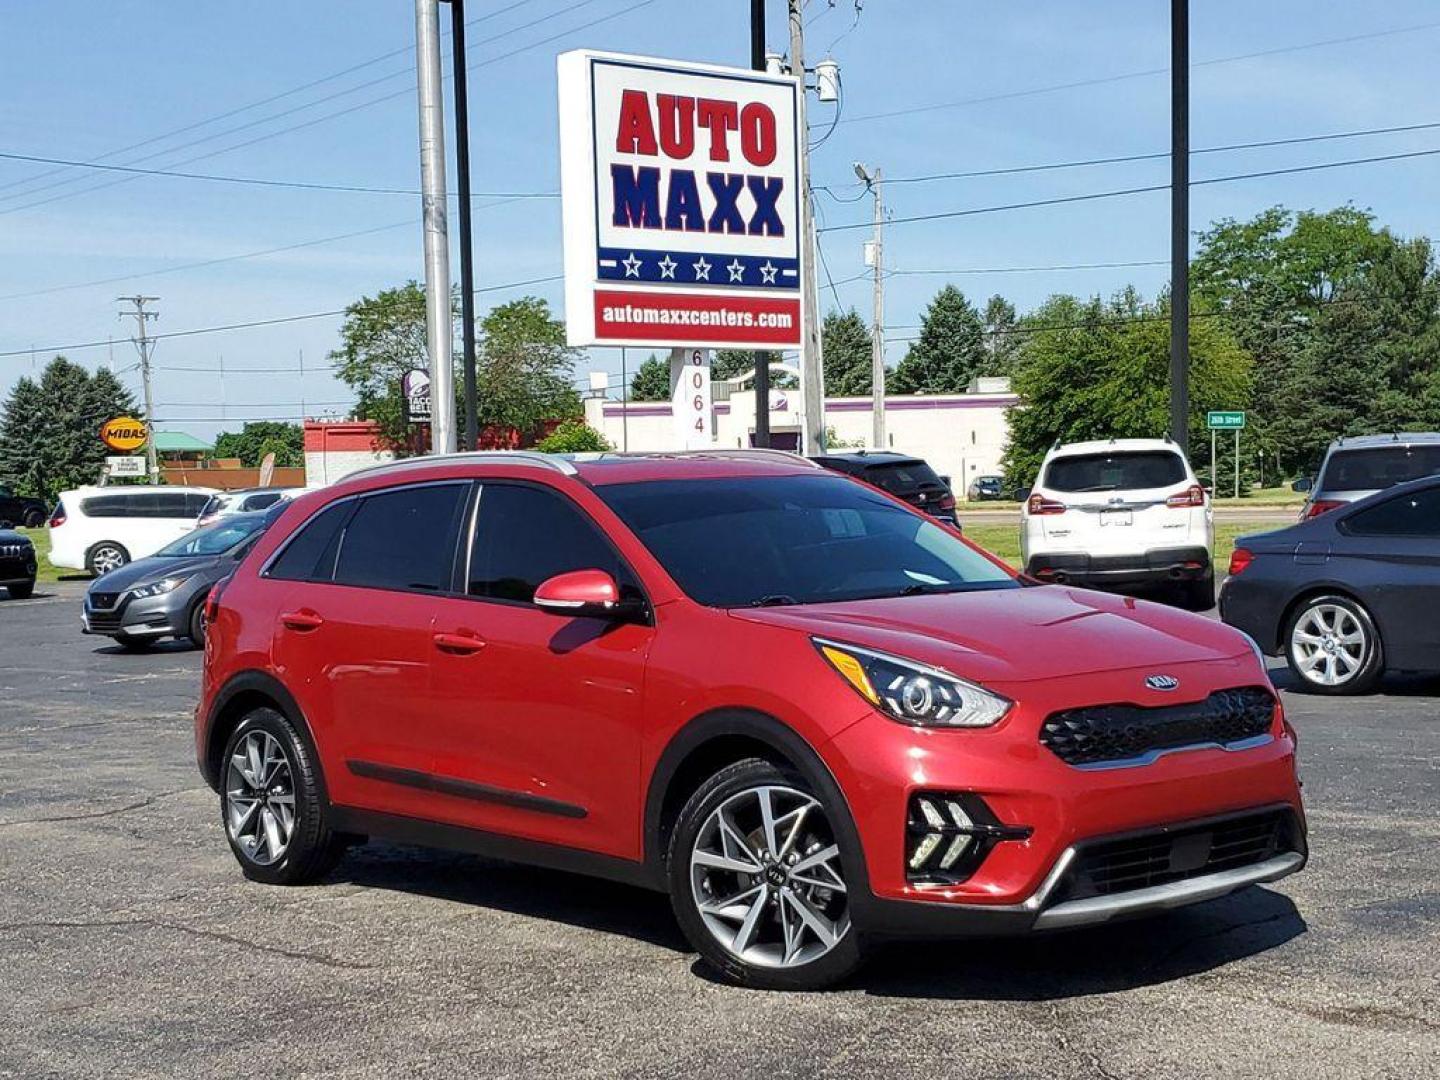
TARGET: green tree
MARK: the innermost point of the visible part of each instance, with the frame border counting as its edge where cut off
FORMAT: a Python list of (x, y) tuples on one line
[(651, 381), (847, 352), (573, 437), (1002, 344), (950, 350), (253, 441), (381, 339), (524, 372), (49, 429), (1107, 376)]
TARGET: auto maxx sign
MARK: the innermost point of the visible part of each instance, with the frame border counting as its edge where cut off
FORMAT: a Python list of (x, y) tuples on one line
[(681, 203)]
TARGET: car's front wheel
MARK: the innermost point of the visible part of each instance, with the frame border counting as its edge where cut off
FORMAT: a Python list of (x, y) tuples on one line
[(1332, 646), (271, 803), (757, 883)]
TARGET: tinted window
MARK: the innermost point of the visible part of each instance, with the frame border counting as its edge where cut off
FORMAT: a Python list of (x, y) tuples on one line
[(1115, 472), (261, 501), (107, 506), (1378, 467), (795, 539), (213, 505), (1413, 514), (403, 539), (902, 478), (524, 535), (193, 503), (310, 554)]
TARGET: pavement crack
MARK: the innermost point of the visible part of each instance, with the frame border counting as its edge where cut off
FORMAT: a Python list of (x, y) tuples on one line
[(193, 931), (138, 805)]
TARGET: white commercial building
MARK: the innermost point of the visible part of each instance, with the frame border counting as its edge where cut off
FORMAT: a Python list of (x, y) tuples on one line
[(962, 436)]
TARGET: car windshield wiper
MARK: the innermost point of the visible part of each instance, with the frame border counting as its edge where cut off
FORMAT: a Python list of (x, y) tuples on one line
[(920, 588), (774, 600), (1097, 487)]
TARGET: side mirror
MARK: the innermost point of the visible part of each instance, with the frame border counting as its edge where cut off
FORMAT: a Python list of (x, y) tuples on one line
[(592, 593), (1302, 485)]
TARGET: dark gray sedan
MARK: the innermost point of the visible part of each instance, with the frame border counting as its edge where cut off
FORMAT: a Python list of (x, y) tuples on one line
[(164, 595), (1348, 595)]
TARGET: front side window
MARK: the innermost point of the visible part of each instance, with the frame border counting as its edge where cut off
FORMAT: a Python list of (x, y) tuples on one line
[(108, 506), (1120, 471), (403, 538), (1413, 514), (524, 535), (752, 541)]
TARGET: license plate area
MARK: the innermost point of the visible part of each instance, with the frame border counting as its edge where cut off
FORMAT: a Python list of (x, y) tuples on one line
[(1116, 517)]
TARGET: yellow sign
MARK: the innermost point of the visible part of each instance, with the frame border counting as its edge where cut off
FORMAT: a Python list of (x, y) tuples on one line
[(124, 433)]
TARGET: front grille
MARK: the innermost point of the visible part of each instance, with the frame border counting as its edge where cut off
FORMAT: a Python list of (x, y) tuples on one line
[(103, 600), (17, 551), (105, 622), (1103, 734), (1177, 853)]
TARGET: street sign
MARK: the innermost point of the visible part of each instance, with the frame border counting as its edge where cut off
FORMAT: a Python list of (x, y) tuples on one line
[(123, 434), (127, 465), (1232, 420), (681, 203)]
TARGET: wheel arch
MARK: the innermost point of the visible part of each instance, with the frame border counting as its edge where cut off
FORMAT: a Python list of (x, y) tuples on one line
[(245, 691), (721, 737), (90, 551)]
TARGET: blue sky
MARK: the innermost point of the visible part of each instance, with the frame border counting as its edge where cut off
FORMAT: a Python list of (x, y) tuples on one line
[(85, 80)]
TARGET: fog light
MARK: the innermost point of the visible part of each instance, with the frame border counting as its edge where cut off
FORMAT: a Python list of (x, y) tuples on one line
[(949, 836)]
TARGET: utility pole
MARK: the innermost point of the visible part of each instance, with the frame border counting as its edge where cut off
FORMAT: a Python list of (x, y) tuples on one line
[(462, 188), (439, 333), (145, 346), (1180, 223), (762, 366), (812, 368), (877, 328)]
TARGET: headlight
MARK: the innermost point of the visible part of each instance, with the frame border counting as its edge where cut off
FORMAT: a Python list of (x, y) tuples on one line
[(913, 693), (158, 588)]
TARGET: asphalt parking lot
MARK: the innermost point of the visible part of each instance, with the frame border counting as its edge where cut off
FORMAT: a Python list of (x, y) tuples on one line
[(130, 945)]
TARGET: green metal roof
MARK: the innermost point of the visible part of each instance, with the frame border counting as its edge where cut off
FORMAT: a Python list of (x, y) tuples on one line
[(179, 442)]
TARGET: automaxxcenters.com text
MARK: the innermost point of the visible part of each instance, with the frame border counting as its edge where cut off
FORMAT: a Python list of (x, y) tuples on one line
[(741, 320), (690, 317)]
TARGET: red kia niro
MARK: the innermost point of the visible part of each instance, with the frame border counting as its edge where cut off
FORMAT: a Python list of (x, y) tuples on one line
[(816, 717)]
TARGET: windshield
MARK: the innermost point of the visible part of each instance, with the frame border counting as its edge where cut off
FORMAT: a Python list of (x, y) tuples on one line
[(1379, 467), (215, 539), (1115, 472), (756, 541)]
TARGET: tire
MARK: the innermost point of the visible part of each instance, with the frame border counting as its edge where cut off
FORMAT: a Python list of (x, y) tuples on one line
[(34, 519), (796, 930), (21, 592), (254, 815), (196, 631), (1333, 646), (1197, 595), (106, 556), (133, 644)]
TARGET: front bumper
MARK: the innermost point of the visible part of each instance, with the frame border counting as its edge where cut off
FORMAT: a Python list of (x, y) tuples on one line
[(1141, 568), (152, 617), (19, 571)]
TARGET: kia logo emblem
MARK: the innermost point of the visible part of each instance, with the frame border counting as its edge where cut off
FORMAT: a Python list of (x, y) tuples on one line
[(1161, 682)]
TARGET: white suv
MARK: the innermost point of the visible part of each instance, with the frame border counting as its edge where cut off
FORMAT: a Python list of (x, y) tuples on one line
[(1120, 512), (102, 528)]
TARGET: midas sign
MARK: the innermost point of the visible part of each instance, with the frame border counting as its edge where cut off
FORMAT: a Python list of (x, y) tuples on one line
[(681, 203), (124, 433)]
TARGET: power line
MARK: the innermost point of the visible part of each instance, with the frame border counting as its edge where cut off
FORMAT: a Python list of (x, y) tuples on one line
[(1094, 195), (251, 324), (1034, 269), (1083, 83)]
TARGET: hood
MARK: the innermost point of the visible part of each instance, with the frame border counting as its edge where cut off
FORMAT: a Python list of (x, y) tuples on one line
[(10, 536), (144, 571), (1017, 635)]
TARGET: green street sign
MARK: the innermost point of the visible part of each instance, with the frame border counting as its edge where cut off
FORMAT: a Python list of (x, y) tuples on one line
[(1227, 421)]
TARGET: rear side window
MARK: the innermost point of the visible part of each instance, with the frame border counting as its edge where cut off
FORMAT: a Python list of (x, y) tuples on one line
[(310, 554), (1414, 514), (524, 535), (403, 539), (1378, 467), (1115, 472), (902, 478)]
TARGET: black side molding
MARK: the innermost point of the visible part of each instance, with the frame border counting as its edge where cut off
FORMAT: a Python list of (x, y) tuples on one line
[(464, 789)]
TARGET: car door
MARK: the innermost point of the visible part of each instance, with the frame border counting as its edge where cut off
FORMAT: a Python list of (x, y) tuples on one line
[(1391, 552), (537, 722), (353, 636), (11, 512)]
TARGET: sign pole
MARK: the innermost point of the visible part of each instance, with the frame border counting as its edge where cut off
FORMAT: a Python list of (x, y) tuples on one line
[(1214, 475), (1237, 463)]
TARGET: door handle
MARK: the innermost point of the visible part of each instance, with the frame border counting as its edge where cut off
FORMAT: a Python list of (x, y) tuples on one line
[(461, 644), (301, 620)]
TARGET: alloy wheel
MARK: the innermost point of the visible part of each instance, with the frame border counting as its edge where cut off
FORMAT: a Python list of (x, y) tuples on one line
[(766, 877), (106, 559), (260, 798), (1328, 644)]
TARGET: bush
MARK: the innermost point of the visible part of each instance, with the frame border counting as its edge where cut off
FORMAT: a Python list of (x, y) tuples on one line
[(573, 437)]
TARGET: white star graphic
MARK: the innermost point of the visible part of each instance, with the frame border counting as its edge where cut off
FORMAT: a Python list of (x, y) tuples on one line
[(632, 265), (667, 267), (768, 272), (737, 270), (702, 269)]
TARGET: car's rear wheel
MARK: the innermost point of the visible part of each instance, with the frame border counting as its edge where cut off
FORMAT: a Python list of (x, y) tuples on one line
[(1332, 646), (196, 632), (34, 519), (105, 557), (757, 883), (271, 805), (1198, 595)]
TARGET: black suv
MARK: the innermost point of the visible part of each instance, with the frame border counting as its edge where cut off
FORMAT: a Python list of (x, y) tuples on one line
[(17, 510), (908, 478), (17, 564)]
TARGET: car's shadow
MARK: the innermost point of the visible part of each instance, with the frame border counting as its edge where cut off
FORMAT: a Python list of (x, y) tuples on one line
[(1392, 684), (169, 646), (1049, 967)]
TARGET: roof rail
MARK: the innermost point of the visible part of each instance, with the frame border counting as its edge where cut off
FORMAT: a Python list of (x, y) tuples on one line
[(743, 452), (482, 457)]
